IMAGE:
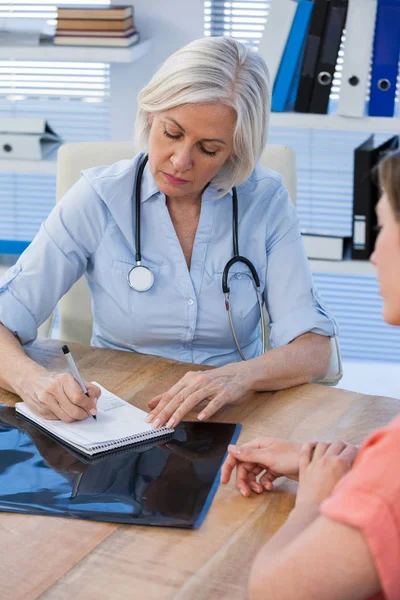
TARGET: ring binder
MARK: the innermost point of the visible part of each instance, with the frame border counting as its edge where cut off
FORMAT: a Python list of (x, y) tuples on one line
[(328, 56), (311, 53), (360, 26), (366, 195), (291, 56), (385, 59)]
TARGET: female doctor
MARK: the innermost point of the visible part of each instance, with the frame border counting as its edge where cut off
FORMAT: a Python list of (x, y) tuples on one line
[(170, 239)]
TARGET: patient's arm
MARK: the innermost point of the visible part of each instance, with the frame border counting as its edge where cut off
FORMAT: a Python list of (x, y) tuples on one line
[(325, 560)]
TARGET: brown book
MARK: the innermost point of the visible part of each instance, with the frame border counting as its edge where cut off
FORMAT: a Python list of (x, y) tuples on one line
[(95, 25), (61, 40), (97, 12), (85, 33)]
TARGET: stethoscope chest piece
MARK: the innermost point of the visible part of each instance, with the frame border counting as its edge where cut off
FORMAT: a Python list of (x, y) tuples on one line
[(140, 278)]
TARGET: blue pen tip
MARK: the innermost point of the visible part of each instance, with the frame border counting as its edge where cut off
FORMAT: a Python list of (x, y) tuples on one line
[(65, 349)]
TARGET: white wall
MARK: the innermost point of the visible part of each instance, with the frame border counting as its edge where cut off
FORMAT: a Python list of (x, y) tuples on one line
[(169, 24)]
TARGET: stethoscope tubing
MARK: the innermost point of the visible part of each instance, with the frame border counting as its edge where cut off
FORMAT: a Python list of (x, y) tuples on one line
[(236, 258)]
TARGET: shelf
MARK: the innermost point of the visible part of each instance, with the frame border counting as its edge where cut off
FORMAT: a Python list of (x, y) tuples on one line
[(342, 267), (335, 122), (50, 52), (47, 166)]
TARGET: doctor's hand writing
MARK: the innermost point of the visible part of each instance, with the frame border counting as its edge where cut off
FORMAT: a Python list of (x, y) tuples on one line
[(217, 387), (59, 396)]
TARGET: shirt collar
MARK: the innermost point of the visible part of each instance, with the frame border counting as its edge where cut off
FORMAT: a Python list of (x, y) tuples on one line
[(149, 187)]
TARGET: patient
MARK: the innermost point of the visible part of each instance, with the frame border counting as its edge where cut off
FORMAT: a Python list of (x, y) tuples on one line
[(342, 539)]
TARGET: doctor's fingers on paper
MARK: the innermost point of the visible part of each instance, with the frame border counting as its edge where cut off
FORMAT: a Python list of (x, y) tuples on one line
[(59, 396), (218, 387)]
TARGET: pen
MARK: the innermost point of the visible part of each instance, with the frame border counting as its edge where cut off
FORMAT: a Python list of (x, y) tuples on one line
[(75, 372)]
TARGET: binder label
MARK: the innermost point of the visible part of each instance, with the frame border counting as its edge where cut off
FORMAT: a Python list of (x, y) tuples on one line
[(360, 232)]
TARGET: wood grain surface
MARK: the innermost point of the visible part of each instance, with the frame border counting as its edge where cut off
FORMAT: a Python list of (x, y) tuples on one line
[(56, 558)]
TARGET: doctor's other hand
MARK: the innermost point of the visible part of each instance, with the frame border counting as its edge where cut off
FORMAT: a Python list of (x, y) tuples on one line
[(59, 396), (259, 462), (217, 387)]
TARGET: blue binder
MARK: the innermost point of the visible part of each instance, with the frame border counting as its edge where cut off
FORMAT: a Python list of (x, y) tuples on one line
[(385, 59), (291, 56)]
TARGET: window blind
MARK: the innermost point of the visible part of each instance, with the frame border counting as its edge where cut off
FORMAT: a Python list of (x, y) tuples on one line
[(357, 306), (324, 175), (243, 20), (72, 96), (324, 195)]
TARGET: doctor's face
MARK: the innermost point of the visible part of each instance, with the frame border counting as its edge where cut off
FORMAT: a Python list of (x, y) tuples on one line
[(188, 145), (386, 258)]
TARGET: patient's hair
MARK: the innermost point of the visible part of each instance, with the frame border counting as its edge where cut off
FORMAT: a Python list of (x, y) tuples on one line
[(215, 69), (389, 179)]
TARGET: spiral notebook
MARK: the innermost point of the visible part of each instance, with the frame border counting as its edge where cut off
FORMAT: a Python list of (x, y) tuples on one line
[(118, 424)]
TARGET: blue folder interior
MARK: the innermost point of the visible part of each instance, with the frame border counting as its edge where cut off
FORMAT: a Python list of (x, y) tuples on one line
[(170, 483)]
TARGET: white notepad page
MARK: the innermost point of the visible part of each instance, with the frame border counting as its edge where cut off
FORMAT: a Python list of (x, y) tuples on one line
[(118, 424)]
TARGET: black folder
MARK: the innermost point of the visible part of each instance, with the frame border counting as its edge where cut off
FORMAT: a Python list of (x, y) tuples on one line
[(327, 58), (311, 52), (366, 195)]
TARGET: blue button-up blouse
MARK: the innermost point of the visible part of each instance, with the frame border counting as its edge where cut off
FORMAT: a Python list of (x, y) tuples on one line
[(91, 232)]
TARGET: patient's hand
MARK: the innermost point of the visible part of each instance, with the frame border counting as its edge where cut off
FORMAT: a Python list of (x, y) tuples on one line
[(322, 466), (270, 457)]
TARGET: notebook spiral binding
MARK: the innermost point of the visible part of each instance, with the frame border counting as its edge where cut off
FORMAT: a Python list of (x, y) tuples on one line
[(107, 454), (131, 439)]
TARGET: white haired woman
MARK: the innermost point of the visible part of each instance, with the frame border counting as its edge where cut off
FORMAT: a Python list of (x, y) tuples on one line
[(153, 239)]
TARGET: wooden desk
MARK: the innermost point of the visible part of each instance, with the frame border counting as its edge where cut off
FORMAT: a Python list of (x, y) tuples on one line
[(63, 558)]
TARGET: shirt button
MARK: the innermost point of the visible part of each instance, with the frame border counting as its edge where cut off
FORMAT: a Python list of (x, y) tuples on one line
[(238, 276), (190, 301)]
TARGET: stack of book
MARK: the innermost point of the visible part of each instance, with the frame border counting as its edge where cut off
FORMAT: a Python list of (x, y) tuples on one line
[(96, 26), (301, 45)]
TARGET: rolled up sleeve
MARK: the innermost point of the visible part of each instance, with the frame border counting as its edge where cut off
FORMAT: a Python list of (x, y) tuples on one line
[(292, 301), (51, 264)]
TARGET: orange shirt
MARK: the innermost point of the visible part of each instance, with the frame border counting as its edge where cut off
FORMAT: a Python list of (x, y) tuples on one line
[(368, 498)]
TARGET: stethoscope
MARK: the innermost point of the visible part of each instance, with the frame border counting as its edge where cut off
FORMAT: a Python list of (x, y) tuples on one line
[(141, 279)]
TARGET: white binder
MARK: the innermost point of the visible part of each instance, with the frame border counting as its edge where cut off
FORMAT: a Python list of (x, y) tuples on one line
[(272, 44), (26, 139), (360, 28)]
